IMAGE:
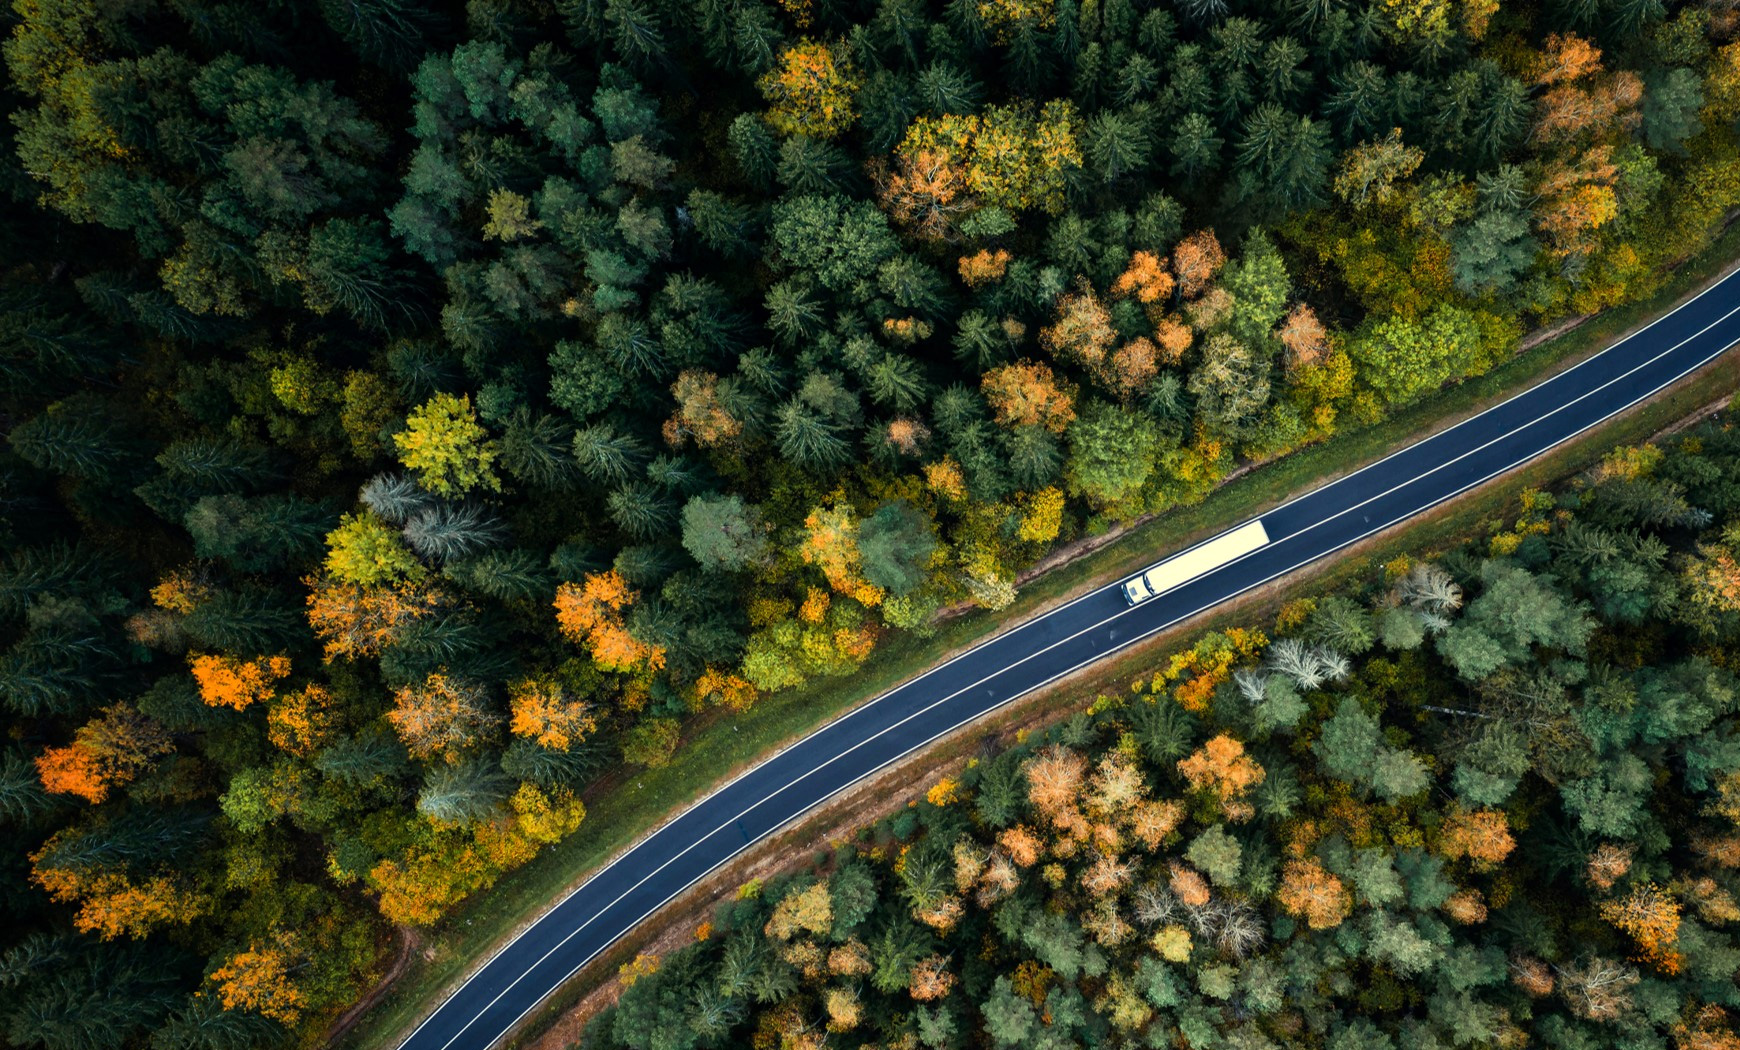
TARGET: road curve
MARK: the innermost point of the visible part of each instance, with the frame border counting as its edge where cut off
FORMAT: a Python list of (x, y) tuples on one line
[(998, 670)]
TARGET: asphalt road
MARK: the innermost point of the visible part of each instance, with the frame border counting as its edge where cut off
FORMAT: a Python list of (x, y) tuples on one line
[(1029, 656)]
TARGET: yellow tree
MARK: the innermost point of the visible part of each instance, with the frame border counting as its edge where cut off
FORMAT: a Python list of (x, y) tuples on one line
[(808, 910), (229, 681), (719, 688), (366, 551), (1196, 261), (112, 904), (1303, 337), (700, 415), (1145, 278), (926, 192), (260, 979), (1054, 786), (1652, 918), (540, 709), (1369, 173), (983, 267), (592, 611), (1577, 198), (1313, 894), (1083, 332), (106, 752), (810, 90), (1015, 157), (301, 722), (1025, 393), (1004, 18), (446, 448), (353, 620), (831, 544), (441, 716), (1221, 770), (1482, 836)]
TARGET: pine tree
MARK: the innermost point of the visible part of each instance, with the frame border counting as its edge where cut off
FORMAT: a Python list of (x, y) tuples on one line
[(450, 531), (1195, 147), (76, 437), (513, 575), (245, 620), (641, 510), (462, 794), (605, 454), (537, 449), (33, 572), (389, 33), (22, 799)]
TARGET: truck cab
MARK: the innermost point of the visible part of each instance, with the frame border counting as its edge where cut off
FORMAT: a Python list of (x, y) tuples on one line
[(1136, 589)]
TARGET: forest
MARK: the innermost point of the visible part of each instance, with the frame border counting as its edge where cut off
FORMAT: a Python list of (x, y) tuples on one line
[(418, 413), (1490, 799)]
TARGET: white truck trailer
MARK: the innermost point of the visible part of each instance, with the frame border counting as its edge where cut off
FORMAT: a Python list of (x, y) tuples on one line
[(1184, 567)]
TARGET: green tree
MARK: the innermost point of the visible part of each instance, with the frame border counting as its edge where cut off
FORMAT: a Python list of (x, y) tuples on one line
[(1217, 854), (723, 532), (1402, 360), (457, 795), (896, 544), (1671, 101), (652, 742), (837, 241), (1516, 611), (1351, 747), (1283, 157), (1112, 455)]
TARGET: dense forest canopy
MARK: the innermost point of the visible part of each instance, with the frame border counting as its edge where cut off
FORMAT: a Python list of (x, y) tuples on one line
[(417, 411)]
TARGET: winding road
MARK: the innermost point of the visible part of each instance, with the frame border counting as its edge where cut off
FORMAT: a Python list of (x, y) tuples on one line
[(788, 784)]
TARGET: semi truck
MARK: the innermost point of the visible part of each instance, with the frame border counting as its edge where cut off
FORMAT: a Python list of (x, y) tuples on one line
[(1183, 567)]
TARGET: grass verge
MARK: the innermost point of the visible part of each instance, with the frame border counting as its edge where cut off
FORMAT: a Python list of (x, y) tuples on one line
[(719, 748)]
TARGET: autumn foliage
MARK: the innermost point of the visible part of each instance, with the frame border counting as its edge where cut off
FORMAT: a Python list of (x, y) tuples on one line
[(1313, 894), (1196, 261), (1146, 278), (441, 717), (983, 267), (700, 417), (303, 721), (810, 90), (355, 621), (1652, 917), (1026, 393), (927, 194), (541, 710), (830, 542), (591, 612), (1222, 770), (1016, 157), (1481, 836), (112, 902), (106, 752), (261, 979), (228, 681)]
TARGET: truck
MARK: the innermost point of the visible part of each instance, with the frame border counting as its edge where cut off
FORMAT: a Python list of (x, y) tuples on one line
[(1187, 565)]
